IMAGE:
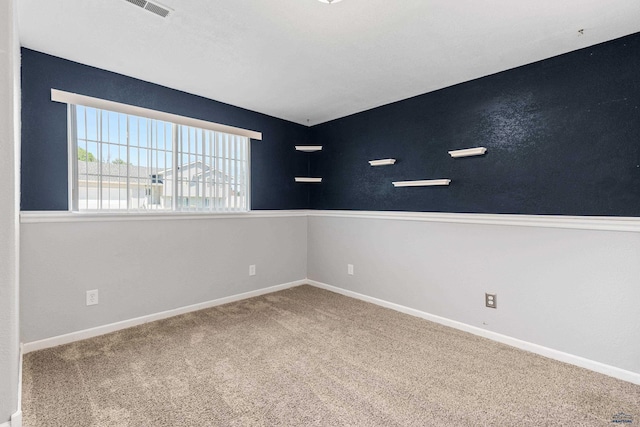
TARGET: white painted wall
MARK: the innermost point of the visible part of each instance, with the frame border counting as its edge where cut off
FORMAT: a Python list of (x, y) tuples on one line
[(9, 208), (572, 290), (145, 267)]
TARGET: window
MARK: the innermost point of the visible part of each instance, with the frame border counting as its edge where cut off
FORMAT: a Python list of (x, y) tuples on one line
[(127, 162)]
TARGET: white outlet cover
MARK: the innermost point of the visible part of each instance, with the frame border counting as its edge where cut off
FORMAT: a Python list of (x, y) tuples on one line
[(350, 269), (252, 270), (92, 297)]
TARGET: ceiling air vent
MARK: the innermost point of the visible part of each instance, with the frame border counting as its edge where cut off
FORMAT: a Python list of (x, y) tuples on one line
[(151, 7), (158, 10), (141, 3)]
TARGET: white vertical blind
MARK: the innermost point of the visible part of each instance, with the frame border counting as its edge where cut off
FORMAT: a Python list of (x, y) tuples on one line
[(124, 162)]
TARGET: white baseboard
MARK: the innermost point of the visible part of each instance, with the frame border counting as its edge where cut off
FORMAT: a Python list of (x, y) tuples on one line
[(592, 365), (112, 327), (16, 418)]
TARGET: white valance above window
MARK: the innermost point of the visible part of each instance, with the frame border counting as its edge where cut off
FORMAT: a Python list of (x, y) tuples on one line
[(88, 101)]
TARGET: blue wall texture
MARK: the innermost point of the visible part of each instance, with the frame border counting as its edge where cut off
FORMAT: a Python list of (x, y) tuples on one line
[(44, 182), (563, 137)]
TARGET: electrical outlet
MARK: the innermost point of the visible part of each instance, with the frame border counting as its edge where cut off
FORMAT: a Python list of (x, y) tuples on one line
[(92, 297), (252, 270), (350, 269), (491, 300)]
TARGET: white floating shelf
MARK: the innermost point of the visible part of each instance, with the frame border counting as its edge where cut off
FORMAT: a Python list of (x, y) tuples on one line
[(304, 179), (382, 162), (422, 183), (308, 148), (468, 152)]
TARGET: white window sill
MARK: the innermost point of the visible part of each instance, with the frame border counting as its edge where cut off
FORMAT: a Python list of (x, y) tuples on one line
[(66, 216)]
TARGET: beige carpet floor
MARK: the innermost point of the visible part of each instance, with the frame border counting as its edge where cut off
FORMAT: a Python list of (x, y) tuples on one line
[(309, 357)]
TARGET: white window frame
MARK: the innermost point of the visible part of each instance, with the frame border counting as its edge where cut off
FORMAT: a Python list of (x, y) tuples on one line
[(72, 100)]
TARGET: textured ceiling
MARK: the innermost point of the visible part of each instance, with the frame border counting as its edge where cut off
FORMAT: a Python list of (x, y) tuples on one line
[(310, 62)]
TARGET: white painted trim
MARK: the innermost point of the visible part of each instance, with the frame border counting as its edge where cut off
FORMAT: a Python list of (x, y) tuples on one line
[(72, 165), (592, 365), (582, 362), (89, 101), (112, 327), (7, 424), (605, 223), (16, 418), (27, 217)]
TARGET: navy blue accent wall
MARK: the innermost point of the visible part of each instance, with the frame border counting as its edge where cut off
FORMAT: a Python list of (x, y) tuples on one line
[(274, 162), (563, 137)]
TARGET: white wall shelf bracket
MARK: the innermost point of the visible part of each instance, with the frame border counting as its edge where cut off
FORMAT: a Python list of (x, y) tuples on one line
[(382, 162), (422, 183), (308, 148), (468, 152)]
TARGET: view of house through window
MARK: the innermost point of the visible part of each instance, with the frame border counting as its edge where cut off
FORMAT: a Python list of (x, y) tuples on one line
[(125, 162)]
